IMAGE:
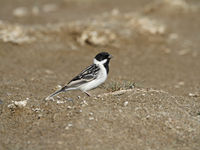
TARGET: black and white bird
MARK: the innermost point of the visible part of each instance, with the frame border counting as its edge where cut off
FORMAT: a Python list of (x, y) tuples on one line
[(91, 77)]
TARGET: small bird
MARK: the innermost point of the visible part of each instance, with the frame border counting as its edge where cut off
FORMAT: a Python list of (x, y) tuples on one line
[(91, 77)]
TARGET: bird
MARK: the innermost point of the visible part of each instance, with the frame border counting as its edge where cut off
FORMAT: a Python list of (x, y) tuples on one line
[(90, 78)]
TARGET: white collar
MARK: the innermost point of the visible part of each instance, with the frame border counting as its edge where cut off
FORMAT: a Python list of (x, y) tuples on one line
[(100, 62)]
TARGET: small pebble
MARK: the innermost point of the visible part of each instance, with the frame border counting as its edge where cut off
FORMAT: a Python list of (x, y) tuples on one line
[(20, 103), (84, 102), (91, 118), (58, 86), (1, 102), (125, 103), (48, 71), (69, 107), (60, 102), (36, 109), (68, 126), (193, 95)]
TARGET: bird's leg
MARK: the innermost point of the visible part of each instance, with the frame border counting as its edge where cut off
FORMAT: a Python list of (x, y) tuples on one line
[(87, 93)]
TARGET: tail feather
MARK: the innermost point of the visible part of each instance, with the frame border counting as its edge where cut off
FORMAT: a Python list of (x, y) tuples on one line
[(55, 93)]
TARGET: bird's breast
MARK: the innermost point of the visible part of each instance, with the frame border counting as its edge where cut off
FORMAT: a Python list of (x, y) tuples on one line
[(101, 78)]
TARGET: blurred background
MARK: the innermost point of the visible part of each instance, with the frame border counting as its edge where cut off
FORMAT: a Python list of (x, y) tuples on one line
[(155, 45)]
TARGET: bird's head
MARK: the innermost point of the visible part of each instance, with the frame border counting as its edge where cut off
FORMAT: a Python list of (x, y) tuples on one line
[(102, 58)]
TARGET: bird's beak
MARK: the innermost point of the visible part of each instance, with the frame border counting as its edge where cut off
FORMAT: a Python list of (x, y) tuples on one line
[(110, 56)]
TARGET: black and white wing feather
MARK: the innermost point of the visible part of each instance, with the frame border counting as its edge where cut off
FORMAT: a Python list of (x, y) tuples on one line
[(88, 74)]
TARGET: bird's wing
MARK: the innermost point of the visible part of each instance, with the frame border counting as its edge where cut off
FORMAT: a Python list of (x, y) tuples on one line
[(88, 74)]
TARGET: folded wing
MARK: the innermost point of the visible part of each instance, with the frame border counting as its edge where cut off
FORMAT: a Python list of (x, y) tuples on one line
[(87, 75)]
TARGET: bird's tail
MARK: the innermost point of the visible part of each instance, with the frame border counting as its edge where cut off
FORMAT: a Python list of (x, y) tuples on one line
[(55, 93)]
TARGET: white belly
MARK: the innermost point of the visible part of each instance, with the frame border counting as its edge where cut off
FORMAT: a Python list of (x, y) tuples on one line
[(95, 83)]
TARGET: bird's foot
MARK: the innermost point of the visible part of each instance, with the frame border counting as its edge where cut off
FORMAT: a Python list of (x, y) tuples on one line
[(88, 94)]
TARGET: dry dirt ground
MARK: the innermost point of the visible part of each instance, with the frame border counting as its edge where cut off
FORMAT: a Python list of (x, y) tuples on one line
[(151, 100)]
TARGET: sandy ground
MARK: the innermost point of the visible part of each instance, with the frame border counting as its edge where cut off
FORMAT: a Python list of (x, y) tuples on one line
[(151, 99)]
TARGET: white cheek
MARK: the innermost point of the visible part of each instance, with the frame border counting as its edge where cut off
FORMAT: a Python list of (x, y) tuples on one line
[(100, 62), (104, 61)]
